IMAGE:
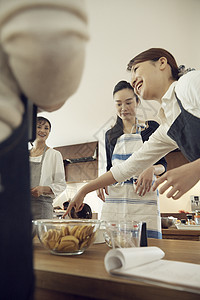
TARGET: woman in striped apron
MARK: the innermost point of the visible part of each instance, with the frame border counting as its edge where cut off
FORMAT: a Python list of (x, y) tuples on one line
[(126, 137)]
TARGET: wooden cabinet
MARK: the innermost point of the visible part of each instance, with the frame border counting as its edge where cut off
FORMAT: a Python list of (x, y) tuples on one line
[(80, 161)]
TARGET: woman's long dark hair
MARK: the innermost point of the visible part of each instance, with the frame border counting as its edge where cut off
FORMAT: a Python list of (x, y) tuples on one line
[(118, 129)]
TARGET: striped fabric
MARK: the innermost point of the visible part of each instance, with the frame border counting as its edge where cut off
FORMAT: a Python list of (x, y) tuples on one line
[(123, 202)]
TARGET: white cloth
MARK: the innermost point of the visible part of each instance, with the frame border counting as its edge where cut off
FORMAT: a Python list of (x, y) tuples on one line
[(159, 144), (42, 51), (52, 173), (123, 203)]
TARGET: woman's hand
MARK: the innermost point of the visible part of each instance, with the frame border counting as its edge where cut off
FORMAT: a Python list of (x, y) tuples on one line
[(95, 184), (101, 193), (37, 191), (144, 181), (41, 190), (76, 202), (180, 179)]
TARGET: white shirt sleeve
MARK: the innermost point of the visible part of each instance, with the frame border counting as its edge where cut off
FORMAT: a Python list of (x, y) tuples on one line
[(53, 173), (158, 145), (188, 92)]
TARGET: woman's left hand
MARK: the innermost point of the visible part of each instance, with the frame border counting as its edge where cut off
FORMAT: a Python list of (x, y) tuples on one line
[(101, 193), (144, 181), (37, 191), (180, 179)]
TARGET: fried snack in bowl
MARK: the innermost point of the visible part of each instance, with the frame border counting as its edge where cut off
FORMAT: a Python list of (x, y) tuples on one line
[(67, 237)]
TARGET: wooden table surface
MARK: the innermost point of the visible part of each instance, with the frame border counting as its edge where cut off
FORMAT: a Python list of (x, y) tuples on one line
[(180, 234), (84, 276)]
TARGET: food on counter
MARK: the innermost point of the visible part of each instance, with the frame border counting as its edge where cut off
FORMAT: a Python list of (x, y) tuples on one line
[(183, 211), (69, 238), (183, 221), (197, 217)]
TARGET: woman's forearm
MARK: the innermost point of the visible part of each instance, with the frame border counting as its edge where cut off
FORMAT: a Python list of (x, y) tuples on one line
[(99, 182), (103, 180)]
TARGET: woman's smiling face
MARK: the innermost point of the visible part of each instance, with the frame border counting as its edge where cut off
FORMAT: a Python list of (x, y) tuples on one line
[(146, 79), (43, 130)]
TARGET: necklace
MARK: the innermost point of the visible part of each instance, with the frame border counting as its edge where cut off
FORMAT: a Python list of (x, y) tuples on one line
[(134, 127), (37, 152), (137, 128)]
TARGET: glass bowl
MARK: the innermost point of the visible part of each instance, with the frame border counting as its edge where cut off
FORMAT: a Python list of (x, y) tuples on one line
[(67, 237)]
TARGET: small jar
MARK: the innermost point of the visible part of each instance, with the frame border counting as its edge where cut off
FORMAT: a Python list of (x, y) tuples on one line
[(183, 221), (197, 217), (189, 219)]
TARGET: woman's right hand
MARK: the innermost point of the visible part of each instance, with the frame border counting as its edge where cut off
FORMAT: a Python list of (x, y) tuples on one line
[(101, 193), (76, 202), (37, 191)]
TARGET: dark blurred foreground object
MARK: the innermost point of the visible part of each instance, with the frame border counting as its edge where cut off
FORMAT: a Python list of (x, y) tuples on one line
[(85, 213), (143, 240)]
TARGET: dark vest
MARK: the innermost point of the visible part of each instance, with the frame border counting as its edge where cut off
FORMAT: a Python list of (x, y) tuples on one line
[(185, 131)]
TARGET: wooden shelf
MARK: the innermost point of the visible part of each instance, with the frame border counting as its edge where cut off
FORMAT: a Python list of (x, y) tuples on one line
[(80, 171)]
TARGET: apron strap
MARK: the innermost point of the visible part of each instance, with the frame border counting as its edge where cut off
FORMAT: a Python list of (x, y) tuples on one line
[(43, 155), (139, 127), (179, 103)]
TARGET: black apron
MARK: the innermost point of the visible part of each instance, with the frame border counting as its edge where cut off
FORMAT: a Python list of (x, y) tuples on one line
[(16, 267), (185, 131)]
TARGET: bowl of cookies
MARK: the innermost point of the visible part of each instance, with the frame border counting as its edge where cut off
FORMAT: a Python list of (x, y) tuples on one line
[(67, 237)]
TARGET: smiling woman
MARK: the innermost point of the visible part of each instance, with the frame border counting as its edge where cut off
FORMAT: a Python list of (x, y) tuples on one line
[(47, 173)]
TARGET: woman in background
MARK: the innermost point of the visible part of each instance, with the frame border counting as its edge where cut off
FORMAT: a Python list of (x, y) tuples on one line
[(126, 137), (47, 173)]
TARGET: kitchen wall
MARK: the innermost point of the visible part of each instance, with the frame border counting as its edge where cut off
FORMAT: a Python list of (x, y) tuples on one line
[(119, 29)]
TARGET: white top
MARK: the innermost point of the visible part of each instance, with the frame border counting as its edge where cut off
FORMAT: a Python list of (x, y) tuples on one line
[(42, 53), (52, 173), (159, 144)]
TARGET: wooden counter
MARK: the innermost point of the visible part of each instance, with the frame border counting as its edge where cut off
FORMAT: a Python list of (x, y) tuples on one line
[(180, 234), (84, 276)]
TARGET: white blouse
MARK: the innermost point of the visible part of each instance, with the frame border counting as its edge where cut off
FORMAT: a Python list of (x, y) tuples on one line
[(52, 172)]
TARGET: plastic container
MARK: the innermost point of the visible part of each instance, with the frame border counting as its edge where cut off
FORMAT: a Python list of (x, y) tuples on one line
[(197, 217), (123, 234), (189, 219)]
